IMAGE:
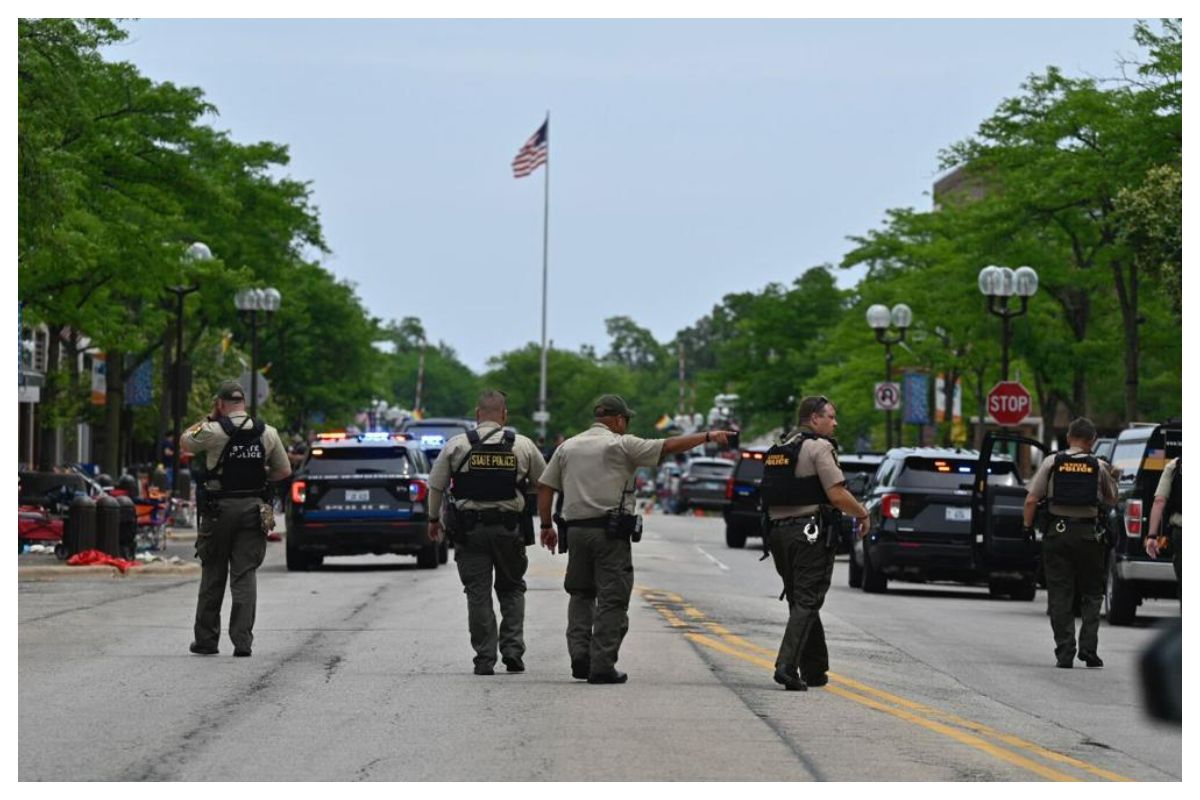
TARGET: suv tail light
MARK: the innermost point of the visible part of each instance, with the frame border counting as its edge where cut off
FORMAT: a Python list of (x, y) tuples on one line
[(1133, 519), (298, 492), (417, 491), (729, 488), (890, 506)]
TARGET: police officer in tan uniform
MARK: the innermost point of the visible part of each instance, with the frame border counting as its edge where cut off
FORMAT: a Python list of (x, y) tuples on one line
[(1074, 546), (593, 472), (803, 489), (1168, 505), (239, 456), (485, 476)]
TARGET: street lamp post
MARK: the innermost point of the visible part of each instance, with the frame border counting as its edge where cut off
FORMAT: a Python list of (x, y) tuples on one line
[(1000, 283), (249, 302), (880, 319), (197, 251)]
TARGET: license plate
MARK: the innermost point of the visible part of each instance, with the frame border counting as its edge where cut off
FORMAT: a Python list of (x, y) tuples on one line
[(358, 495), (712, 485), (958, 514)]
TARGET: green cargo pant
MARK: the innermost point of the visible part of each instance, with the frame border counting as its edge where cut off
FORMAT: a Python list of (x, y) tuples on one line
[(600, 580), (232, 545), (484, 549), (1074, 560), (807, 570)]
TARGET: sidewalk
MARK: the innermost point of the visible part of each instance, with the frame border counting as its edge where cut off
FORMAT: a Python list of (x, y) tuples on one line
[(179, 544)]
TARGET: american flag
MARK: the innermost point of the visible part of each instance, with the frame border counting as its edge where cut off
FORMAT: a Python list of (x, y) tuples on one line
[(534, 152)]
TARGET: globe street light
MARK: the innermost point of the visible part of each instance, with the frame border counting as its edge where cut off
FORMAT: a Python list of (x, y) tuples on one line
[(249, 303), (196, 251), (1000, 283), (880, 319)]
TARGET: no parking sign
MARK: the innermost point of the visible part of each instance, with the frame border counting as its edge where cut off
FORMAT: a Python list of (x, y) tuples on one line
[(887, 396)]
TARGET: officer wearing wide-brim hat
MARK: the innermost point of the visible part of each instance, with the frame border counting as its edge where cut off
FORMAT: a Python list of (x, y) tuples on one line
[(240, 456), (1074, 547), (593, 472)]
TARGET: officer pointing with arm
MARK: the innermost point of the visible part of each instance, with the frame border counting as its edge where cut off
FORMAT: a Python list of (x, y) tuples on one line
[(485, 476), (803, 488), (238, 457), (1073, 545), (593, 473)]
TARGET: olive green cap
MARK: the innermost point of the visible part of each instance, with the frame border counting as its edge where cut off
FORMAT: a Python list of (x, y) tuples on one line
[(231, 391), (611, 405)]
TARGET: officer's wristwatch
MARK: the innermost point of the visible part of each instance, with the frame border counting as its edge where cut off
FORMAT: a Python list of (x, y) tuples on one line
[(548, 527), (437, 521)]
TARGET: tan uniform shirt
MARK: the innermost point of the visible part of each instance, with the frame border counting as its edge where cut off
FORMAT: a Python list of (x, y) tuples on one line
[(209, 438), (530, 465), (818, 458), (594, 470), (1164, 489), (1042, 485)]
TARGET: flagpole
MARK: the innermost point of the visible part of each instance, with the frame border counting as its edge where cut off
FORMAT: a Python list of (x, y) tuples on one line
[(545, 279)]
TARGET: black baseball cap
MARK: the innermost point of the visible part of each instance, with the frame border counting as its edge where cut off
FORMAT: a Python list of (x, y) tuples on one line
[(231, 391), (611, 405)]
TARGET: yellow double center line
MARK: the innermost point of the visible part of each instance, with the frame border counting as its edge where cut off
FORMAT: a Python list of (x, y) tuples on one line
[(698, 628)]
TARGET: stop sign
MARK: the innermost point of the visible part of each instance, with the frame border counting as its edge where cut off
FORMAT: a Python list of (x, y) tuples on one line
[(1009, 402)]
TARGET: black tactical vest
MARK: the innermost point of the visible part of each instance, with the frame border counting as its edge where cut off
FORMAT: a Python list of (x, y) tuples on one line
[(1076, 480), (491, 470), (780, 486), (1175, 501), (243, 461)]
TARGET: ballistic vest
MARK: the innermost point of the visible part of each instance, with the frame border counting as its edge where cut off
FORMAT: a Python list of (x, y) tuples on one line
[(243, 461), (492, 470), (1076, 480), (780, 486)]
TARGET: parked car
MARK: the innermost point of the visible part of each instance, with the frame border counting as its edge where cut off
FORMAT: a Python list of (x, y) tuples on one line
[(743, 513), (924, 526), (1140, 454), (666, 487), (859, 469), (703, 484), (361, 494)]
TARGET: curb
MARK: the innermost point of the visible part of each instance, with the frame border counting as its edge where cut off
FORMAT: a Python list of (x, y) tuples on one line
[(99, 571)]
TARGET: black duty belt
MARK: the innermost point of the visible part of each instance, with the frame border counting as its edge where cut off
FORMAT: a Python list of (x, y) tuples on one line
[(493, 516), (1062, 523), (796, 520), (235, 493), (588, 522)]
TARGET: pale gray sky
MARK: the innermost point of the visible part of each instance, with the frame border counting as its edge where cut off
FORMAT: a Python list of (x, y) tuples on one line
[(689, 158)]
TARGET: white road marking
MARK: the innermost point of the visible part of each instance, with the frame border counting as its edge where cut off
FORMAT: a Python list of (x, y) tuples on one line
[(710, 558)]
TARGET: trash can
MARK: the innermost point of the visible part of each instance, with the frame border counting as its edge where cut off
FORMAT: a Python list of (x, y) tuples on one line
[(79, 533), (108, 525), (128, 537)]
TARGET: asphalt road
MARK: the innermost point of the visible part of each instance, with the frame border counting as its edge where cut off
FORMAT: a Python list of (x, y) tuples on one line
[(362, 671)]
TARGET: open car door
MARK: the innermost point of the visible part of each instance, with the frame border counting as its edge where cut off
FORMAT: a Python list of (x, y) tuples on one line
[(996, 516)]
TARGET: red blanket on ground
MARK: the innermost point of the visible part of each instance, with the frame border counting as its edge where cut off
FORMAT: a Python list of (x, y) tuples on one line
[(89, 557)]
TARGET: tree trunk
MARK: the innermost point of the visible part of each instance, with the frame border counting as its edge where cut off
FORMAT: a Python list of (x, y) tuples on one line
[(115, 402), (1128, 295), (47, 420)]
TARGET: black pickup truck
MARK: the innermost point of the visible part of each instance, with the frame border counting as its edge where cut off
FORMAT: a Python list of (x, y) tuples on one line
[(1140, 454)]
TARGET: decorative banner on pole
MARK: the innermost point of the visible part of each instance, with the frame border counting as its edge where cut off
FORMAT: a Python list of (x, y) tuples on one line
[(139, 386), (916, 398), (99, 382)]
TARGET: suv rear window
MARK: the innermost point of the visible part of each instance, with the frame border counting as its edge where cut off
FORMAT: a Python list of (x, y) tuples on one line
[(1127, 456), (951, 473), (362, 461), (711, 470), (749, 468)]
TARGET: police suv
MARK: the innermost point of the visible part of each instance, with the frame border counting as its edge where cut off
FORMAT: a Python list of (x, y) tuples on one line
[(358, 494), (1141, 452)]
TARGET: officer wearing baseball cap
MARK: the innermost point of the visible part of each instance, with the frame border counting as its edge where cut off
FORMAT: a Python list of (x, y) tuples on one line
[(592, 473), (239, 456)]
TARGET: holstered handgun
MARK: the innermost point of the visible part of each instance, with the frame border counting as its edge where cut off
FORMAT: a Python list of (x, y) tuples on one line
[(563, 527)]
